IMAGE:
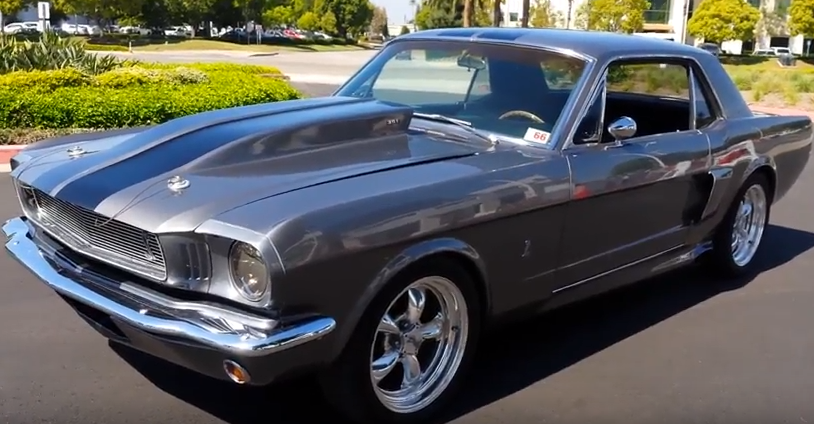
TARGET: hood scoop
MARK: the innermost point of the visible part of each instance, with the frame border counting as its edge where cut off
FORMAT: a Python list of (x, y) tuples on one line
[(306, 131)]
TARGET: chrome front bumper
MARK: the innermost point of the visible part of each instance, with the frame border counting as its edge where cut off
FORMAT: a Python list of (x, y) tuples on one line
[(227, 330)]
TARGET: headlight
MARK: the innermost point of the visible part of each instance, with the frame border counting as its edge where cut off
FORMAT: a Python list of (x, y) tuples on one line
[(249, 273)]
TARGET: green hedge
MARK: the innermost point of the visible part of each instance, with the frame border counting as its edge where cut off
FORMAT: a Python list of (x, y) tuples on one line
[(106, 48), (20, 136), (135, 94), (118, 42)]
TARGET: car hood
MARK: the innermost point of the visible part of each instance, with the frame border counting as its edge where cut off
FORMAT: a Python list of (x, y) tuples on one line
[(174, 176)]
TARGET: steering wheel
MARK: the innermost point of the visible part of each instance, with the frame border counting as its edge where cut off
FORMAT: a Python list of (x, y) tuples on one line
[(522, 114)]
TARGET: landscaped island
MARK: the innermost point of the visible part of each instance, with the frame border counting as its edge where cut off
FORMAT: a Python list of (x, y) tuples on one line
[(53, 87)]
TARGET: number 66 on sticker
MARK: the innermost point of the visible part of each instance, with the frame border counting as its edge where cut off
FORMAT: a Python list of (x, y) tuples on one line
[(536, 136)]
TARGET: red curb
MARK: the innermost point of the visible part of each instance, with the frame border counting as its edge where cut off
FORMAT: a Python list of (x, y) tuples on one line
[(7, 152)]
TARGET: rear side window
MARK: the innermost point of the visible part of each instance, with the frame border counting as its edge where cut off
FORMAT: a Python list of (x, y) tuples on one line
[(704, 114), (666, 81), (650, 79)]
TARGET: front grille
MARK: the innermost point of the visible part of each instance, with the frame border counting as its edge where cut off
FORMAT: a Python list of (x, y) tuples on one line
[(94, 235)]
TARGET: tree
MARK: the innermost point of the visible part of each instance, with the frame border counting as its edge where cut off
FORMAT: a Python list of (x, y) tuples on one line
[(569, 14), (378, 25), (483, 9), (439, 15), (404, 30), (772, 23), (717, 21), (543, 15), (469, 12), (278, 16), (328, 23), (524, 20), (189, 11), (612, 15), (801, 17), (352, 16), (101, 11), (309, 21), (9, 8), (497, 13)]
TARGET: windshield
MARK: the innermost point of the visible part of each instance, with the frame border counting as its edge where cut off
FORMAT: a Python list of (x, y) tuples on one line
[(503, 90)]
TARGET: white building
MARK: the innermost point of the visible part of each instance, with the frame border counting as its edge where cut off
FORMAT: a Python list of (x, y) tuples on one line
[(664, 16), (668, 19)]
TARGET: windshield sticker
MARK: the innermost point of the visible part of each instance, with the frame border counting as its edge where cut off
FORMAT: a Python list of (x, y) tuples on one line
[(537, 136)]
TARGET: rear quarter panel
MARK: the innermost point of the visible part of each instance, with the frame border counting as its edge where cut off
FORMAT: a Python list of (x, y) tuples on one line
[(777, 145)]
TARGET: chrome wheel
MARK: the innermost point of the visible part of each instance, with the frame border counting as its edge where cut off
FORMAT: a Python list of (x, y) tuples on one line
[(750, 221), (419, 345)]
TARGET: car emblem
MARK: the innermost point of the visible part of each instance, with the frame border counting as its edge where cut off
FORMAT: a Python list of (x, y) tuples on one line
[(75, 152), (177, 183)]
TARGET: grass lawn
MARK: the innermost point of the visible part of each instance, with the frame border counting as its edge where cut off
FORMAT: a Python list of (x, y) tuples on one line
[(763, 82)]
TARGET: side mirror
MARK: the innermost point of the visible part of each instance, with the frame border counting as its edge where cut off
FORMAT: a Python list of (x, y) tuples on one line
[(622, 128)]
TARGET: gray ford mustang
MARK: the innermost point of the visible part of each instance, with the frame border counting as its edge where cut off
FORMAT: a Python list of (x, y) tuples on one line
[(461, 177)]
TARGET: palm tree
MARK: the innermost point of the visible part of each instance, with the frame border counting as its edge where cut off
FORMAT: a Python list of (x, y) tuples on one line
[(524, 20), (570, 12), (497, 14), (468, 12)]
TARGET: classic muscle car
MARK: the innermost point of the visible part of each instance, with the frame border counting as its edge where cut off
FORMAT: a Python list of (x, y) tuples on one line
[(372, 236)]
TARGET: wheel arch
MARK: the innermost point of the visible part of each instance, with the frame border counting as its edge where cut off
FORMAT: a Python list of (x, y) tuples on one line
[(770, 173), (446, 249)]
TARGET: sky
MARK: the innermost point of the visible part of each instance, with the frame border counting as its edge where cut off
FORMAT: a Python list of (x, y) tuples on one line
[(398, 11)]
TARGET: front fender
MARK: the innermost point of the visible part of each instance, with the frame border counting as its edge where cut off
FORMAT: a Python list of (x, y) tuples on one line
[(409, 256)]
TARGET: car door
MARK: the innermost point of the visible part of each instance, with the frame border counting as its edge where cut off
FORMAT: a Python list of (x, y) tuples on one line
[(635, 198)]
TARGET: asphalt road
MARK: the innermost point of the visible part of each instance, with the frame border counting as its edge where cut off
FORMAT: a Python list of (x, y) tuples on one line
[(682, 348), (333, 67)]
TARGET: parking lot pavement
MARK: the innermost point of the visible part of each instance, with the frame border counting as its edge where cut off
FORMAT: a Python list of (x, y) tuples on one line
[(682, 348)]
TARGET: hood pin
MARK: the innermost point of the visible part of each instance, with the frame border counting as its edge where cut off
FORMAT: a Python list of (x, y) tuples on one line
[(75, 152), (177, 183)]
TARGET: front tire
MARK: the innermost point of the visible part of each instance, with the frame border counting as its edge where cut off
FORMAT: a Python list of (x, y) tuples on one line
[(738, 238), (411, 349)]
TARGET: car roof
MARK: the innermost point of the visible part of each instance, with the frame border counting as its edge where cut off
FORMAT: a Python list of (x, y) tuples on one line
[(596, 44)]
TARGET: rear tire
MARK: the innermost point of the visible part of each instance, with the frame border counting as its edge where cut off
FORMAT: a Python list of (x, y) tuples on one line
[(738, 238), (411, 349)]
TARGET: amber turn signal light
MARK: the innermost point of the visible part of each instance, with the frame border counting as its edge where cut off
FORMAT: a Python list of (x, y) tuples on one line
[(235, 372)]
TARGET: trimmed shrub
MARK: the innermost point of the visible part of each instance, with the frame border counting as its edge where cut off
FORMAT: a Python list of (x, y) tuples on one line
[(105, 48), (33, 135), (126, 77), (133, 95)]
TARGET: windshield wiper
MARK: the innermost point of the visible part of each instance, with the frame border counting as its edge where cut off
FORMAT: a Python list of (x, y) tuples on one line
[(466, 126)]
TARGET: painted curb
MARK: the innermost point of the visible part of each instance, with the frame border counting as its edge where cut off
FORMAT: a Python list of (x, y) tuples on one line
[(7, 152)]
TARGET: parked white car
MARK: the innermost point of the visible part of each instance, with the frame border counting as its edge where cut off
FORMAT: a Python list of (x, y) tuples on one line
[(19, 26), (178, 31), (135, 30), (91, 29), (764, 52)]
